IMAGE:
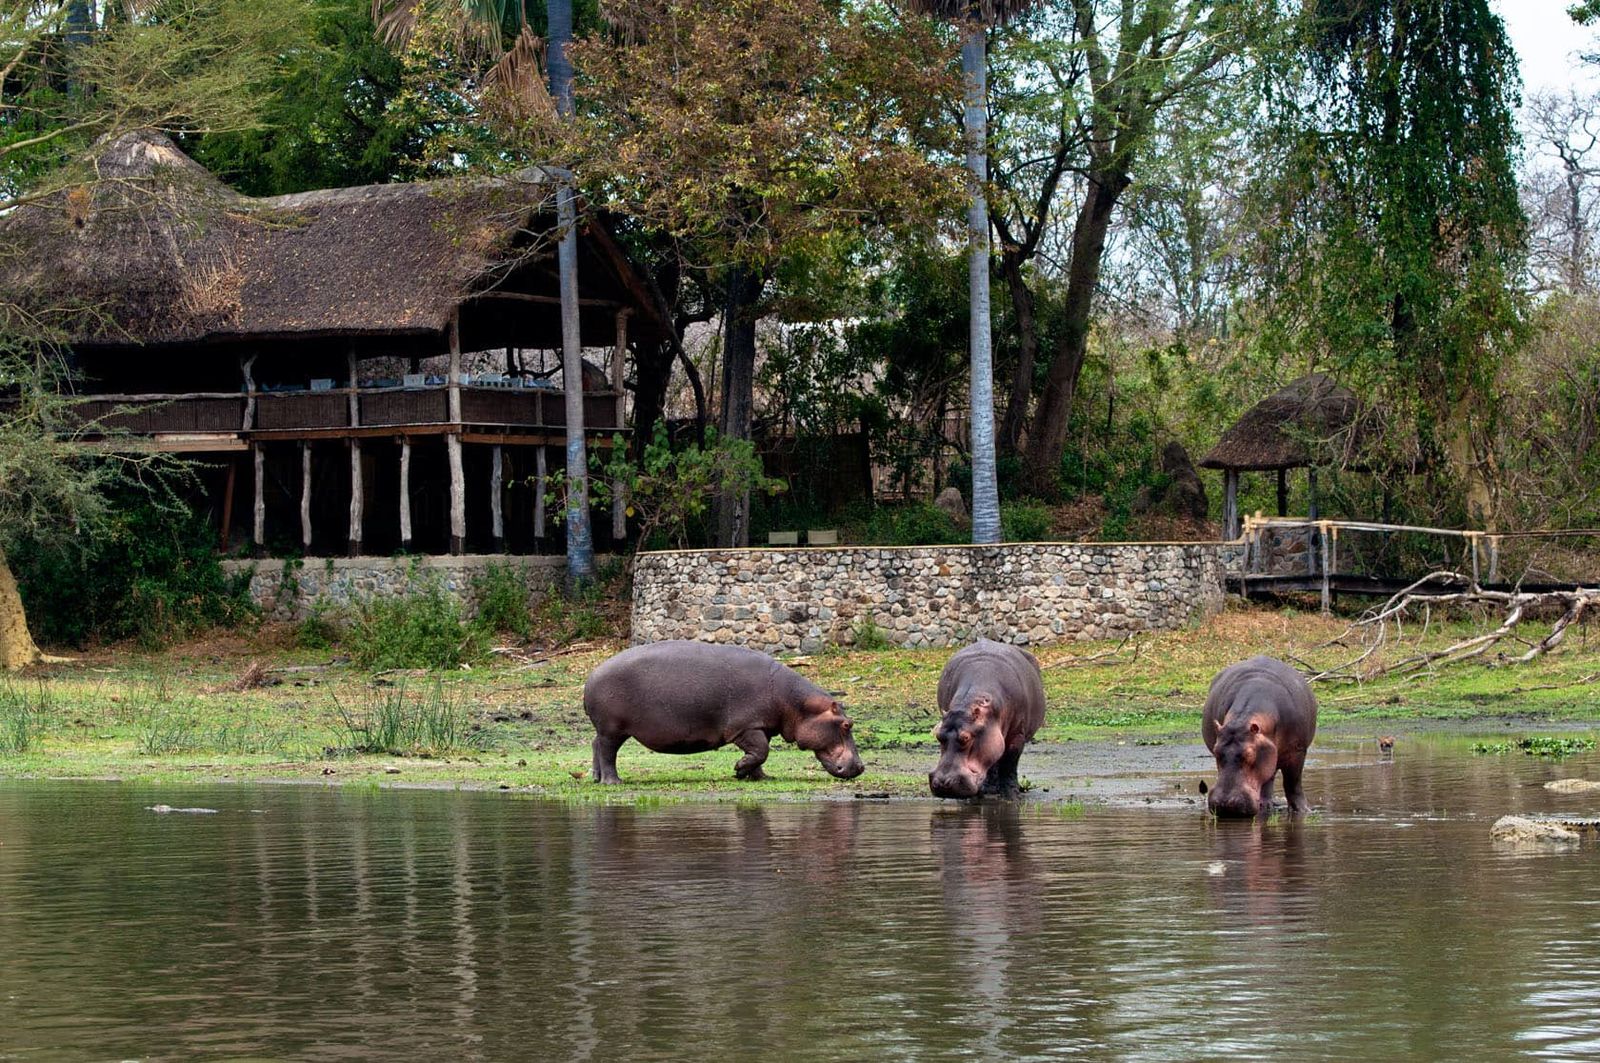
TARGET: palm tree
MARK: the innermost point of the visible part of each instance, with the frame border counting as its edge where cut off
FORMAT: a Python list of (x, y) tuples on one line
[(974, 18), (485, 23)]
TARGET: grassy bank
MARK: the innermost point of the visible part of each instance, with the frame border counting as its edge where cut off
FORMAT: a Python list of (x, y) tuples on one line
[(256, 708)]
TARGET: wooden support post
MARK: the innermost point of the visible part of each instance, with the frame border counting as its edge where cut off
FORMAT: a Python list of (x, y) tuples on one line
[(305, 497), (227, 502), (405, 494), (245, 366), (452, 442), (539, 486), (357, 497), (1283, 492), (619, 512), (1230, 504), (619, 500), (1494, 559), (355, 400), (259, 533), (496, 487), (1314, 533), (1327, 590)]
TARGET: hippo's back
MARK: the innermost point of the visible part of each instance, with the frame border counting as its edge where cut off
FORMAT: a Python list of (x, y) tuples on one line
[(1013, 670), (1299, 703), (678, 674)]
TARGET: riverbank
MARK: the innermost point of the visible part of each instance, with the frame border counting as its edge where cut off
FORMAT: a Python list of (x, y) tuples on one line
[(237, 708)]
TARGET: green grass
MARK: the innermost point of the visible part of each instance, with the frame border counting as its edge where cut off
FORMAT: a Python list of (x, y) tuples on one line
[(180, 715)]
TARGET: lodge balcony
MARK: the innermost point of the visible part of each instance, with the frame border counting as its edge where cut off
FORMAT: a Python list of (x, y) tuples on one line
[(490, 412)]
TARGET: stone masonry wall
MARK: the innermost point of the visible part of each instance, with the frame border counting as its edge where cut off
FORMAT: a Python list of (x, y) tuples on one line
[(289, 590), (1027, 594)]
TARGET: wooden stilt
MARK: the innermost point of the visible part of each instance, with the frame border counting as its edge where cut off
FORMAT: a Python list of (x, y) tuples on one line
[(259, 533), (497, 513), (1230, 504), (458, 484), (619, 512), (1327, 590), (357, 497), (405, 494), (305, 497), (227, 502), (539, 486)]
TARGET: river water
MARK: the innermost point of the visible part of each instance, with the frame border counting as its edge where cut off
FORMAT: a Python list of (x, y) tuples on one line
[(310, 923)]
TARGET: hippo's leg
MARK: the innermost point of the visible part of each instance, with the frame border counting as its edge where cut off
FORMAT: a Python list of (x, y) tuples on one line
[(605, 757), (1002, 778), (755, 744), (1292, 789)]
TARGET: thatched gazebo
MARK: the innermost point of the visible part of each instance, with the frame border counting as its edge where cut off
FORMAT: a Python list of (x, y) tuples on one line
[(311, 346), (1310, 421)]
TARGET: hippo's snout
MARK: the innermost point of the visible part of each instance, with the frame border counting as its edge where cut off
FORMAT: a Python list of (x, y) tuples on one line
[(847, 768), (954, 784), (1234, 806)]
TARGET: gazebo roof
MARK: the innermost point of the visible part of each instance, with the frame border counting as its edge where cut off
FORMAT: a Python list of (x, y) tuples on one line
[(159, 251), (1283, 429)]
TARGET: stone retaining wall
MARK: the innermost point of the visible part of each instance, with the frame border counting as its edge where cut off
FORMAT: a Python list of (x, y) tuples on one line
[(1028, 594), (290, 590)]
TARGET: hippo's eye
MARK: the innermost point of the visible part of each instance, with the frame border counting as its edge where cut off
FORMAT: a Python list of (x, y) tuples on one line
[(846, 726)]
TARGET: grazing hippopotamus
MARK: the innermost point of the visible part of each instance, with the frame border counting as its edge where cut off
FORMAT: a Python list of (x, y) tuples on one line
[(690, 697), (992, 697), (1259, 720)]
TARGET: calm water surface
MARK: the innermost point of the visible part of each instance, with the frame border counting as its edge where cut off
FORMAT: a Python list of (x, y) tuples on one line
[(318, 924)]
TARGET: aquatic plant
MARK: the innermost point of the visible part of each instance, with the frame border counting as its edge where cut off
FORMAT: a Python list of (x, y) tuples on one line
[(1554, 746), (393, 722)]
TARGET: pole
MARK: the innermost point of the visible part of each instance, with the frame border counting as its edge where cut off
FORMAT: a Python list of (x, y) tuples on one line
[(985, 491)]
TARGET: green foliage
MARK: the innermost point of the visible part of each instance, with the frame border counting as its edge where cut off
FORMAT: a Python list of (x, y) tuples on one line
[(395, 722), (867, 635), (912, 524), (571, 616), (147, 570), (422, 629), (1025, 522), (25, 712), (1555, 747), (320, 629), (501, 592), (671, 488)]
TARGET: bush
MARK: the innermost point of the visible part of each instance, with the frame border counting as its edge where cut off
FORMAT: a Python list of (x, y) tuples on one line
[(396, 723), (152, 575), (914, 524), (419, 630), (320, 630), (1024, 522), (868, 635), (502, 595), (23, 716), (564, 617)]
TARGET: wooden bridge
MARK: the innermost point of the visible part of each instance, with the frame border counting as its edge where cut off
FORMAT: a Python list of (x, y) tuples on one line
[(1331, 557)]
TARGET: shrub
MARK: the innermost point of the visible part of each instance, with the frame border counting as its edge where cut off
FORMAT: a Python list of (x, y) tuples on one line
[(420, 630), (502, 595), (320, 630), (868, 635), (23, 716), (152, 574), (1025, 522), (571, 616), (393, 722), (914, 524)]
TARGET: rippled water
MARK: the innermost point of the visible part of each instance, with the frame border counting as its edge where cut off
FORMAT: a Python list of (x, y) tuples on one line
[(306, 923)]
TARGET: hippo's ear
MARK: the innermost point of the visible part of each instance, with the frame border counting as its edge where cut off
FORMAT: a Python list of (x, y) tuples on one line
[(836, 708)]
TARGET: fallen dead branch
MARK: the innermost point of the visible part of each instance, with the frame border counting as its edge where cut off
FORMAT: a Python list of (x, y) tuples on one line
[(1383, 628), (1111, 656)]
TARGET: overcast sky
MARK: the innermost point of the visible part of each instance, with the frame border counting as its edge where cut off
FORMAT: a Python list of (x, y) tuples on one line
[(1548, 42)]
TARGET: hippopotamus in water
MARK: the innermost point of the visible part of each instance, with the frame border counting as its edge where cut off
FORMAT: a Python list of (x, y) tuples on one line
[(992, 697), (690, 697), (1259, 720)]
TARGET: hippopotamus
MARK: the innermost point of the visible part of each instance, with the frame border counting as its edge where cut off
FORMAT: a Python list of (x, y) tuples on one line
[(992, 697), (1259, 720), (691, 697)]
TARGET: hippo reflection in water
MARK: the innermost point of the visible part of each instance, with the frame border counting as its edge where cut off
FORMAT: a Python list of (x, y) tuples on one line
[(1259, 719), (692, 697)]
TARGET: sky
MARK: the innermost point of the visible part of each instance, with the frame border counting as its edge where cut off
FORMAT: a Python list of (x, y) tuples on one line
[(1547, 43)]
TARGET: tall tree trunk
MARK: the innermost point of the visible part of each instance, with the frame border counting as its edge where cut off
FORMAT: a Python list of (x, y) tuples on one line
[(653, 375), (738, 393), (580, 536), (985, 488), (17, 648), (1022, 305), (1047, 441)]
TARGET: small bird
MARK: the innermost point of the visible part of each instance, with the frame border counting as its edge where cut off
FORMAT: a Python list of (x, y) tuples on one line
[(1386, 744)]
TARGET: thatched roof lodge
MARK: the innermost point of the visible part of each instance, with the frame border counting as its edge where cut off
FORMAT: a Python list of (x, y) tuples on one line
[(289, 328), (1310, 421)]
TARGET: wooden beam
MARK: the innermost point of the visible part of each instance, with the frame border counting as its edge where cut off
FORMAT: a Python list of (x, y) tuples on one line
[(245, 367), (452, 442), (1230, 504), (539, 485), (547, 300), (259, 512), (227, 501), (305, 496), (496, 486), (405, 494), (357, 497), (355, 392)]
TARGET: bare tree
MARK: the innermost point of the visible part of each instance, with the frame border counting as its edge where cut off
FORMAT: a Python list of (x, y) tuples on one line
[(1557, 193)]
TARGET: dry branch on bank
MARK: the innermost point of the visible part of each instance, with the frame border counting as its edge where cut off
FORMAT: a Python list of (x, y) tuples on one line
[(1384, 628)]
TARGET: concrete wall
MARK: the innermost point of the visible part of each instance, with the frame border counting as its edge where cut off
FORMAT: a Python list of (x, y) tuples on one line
[(1028, 594), (289, 590)]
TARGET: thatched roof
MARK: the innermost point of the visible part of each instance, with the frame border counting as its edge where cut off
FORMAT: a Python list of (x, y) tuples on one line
[(158, 251), (1286, 429)]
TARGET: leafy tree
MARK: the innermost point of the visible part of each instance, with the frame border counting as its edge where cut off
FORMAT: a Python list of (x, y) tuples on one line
[(1399, 237), (748, 130)]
